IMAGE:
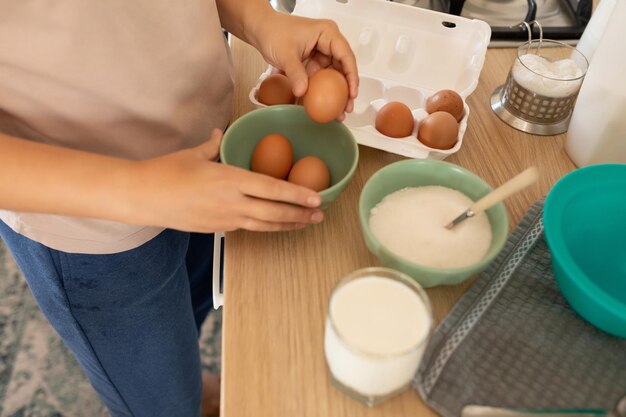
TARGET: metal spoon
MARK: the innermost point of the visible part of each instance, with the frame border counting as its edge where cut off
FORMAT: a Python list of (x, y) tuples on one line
[(483, 411), (515, 184)]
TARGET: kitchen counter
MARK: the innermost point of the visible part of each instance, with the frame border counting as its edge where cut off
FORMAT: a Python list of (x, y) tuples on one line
[(277, 284)]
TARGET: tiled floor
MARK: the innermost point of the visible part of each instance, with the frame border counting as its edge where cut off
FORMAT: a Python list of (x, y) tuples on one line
[(38, 376)]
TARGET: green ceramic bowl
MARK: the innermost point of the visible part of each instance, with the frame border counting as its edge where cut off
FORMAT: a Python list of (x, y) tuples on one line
[(415, 173), (585, 227), (332, 142)]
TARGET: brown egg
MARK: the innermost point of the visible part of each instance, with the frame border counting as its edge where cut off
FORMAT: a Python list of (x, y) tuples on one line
[(395, 119), (273, 156), (439, 130), (275, 89), (310, 172), (326, 96), (446, 100)]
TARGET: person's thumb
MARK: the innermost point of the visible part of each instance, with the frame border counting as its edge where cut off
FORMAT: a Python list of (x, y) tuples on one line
[(295, 71), (211, 148)]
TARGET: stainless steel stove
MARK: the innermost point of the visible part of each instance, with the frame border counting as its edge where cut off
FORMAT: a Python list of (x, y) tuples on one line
[(564, 20)]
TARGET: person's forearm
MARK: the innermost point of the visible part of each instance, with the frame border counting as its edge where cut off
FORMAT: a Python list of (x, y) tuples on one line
[(36, 177), (242, 17)]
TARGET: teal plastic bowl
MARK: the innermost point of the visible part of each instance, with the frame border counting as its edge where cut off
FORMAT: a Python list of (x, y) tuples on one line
[(332, 142), (415, 173), (585, 227)]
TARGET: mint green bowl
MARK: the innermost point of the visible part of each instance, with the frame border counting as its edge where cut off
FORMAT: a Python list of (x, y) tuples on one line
[(332, 142), (585, 227), (415, 173)]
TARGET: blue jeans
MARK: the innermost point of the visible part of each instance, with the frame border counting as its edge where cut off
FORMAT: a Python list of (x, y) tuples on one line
[(131, 319)]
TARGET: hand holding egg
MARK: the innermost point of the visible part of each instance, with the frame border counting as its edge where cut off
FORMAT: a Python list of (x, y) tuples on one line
[(301, 47), (327, 95)]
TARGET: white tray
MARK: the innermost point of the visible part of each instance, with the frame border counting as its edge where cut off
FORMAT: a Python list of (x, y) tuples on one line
[(405, 54)]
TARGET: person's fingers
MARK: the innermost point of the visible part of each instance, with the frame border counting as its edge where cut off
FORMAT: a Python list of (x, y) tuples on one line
[(312, 67), (211, 148), (333, 44), (297, 75), (350, 105), (268, 188), (352, 76), (280, 212), (317, 62)]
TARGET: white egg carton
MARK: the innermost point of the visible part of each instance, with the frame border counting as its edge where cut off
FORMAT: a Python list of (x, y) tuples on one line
[(404, 53)]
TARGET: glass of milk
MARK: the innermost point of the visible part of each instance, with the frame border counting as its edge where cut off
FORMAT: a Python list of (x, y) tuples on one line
[(378, 323)]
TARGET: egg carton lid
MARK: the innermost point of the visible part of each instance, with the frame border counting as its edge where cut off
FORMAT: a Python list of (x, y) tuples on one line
[(407, 45)]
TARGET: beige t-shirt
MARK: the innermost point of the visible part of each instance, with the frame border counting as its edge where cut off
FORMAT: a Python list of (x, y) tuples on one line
[(127, 78)]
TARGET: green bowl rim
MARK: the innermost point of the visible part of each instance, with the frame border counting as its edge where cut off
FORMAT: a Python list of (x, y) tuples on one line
[(554, 237), (427, 269), (294, 107)]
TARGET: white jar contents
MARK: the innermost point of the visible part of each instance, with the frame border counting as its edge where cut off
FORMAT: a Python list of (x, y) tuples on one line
[(411, 223), (560, 78), (379, 334)]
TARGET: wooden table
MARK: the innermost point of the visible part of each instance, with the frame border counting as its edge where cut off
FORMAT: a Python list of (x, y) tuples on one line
[(277, 285)]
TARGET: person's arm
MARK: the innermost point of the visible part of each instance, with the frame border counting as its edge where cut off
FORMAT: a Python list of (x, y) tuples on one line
[(242, 17), (184, 190), (296, 45), (42, 178)]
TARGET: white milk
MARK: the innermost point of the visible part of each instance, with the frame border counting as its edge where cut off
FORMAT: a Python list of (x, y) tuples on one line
[(379, 335)]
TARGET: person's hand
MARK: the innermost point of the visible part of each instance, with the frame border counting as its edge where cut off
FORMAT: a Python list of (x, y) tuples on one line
[(187, 190), (300, 46)]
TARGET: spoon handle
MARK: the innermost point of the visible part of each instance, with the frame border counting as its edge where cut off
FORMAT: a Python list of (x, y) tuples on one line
[(515, 184)]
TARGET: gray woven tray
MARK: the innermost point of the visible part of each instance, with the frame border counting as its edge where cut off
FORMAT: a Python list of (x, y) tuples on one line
[(513, 341)]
